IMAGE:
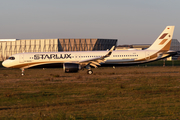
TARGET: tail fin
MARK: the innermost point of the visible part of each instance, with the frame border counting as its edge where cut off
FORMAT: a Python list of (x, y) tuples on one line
[(163, 42)]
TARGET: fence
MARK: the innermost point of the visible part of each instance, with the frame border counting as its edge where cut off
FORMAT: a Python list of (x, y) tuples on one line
[(162, 63)]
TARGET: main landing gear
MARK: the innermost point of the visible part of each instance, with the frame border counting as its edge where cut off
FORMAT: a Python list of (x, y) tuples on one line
[(89, 72)]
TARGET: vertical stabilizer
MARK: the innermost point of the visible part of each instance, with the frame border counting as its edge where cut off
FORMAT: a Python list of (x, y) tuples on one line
[(163, 42)]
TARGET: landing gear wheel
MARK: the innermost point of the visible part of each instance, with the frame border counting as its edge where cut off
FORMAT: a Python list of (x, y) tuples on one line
[(89, 72)]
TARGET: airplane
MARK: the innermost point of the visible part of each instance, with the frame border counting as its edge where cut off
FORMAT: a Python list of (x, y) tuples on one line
[(73, 61)]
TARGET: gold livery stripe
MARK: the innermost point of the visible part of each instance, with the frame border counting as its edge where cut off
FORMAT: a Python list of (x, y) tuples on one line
[(163, 41), (27, 65)]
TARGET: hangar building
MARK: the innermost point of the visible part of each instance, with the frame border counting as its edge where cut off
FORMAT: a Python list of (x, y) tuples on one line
[(9, 47)]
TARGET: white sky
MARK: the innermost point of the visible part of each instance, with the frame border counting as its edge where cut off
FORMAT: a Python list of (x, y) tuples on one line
[(129, 21)]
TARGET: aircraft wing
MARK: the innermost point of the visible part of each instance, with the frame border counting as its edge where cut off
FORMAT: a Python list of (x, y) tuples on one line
[(96, 61)]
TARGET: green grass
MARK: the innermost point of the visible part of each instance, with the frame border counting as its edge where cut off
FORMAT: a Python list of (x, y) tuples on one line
[(121, 93)]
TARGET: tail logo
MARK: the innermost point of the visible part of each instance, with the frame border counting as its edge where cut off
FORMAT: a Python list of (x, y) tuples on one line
[(163, 41), (163, 36)]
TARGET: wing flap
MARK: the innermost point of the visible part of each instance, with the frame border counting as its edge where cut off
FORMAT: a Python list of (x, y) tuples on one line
[(93, 65)]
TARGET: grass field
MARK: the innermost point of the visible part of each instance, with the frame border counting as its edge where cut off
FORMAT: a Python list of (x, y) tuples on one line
[(121, 93)]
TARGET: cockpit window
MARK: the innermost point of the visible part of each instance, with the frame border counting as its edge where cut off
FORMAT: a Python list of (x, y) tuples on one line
[(11, 58)]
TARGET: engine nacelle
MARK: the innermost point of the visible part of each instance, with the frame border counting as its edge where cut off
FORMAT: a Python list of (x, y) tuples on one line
[(71, 67)]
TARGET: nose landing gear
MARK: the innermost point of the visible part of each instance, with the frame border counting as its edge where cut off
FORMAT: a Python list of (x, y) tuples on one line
[(22, 71)]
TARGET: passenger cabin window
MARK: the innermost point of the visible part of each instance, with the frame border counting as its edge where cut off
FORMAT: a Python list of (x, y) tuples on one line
[(11, 58)]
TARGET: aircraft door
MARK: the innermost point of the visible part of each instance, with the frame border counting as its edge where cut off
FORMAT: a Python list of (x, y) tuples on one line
[(147, 55), (21, 58)]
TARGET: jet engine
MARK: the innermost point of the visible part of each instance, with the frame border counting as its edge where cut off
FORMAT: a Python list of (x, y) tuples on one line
[(71, 67)]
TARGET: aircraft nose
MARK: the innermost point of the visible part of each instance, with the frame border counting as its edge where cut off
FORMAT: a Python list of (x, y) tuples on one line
[(5, 63)]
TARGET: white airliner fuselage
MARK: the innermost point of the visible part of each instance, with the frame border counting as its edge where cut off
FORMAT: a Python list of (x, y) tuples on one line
[(75, 60), (27, 60)]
